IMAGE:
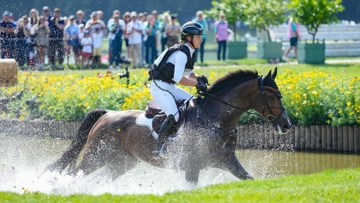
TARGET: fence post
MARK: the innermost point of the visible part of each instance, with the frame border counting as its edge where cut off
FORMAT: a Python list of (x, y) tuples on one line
[(340, 139), (323, 138), (334, 138), (351, 138), (328, 138)]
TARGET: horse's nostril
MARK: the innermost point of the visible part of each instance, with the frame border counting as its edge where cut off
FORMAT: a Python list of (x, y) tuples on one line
[(286, 127)]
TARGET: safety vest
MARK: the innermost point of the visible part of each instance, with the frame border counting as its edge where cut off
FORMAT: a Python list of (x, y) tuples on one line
[(165, 71)]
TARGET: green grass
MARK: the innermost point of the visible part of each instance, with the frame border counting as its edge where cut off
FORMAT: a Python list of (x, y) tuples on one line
[(328, 186), (344, 70)]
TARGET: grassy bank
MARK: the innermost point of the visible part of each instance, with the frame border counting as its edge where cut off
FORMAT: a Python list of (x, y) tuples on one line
[(328, 186)]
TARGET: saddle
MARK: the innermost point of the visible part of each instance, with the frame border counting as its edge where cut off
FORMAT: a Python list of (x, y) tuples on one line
[(153, 111)]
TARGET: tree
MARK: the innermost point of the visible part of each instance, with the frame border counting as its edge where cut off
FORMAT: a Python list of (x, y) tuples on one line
[(264, 13), (233, 9), (313, 13)]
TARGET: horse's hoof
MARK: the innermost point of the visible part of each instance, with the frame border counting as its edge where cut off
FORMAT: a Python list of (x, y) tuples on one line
[(249, 177), (163, 156)]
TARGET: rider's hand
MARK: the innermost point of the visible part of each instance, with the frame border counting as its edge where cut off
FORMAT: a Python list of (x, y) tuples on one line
[(201, 85), (202, 79)]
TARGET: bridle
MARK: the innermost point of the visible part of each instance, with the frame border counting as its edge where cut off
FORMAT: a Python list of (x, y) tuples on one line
[(271, 118)]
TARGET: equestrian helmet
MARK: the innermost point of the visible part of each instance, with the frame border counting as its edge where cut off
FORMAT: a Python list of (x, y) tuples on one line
[(192, 28)]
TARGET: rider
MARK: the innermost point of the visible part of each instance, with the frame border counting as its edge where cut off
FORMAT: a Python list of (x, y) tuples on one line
[(175, 65)]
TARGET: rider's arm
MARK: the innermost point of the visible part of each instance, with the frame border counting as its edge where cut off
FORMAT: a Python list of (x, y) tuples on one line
[(179, 69), (191, 75)]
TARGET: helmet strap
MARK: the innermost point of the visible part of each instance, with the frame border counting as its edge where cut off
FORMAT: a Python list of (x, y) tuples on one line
[(191, 41)]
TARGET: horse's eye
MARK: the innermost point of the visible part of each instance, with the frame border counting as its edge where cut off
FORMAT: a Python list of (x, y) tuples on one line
[(271, 97)]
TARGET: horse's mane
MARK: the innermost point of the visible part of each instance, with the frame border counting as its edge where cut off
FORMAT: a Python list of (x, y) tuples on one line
[(231, 78)]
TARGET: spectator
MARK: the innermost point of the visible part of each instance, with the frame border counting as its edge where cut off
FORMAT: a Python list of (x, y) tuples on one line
[(12, 35), (127, 31), (72, 38), (293, 33), (221, 32), (97, 37), (155, 15), (151, 52), (33, 20), (164, 36), (111, 23), (200, 19), (100, 16), (56, 42), (173, 31), (41, 42), (80, 17), (144, 36), (7, 30), (86, 43), (81, 36), (47, 15), (115, 38), (135, 41), (94, 23), (27, 38), (20, 34)]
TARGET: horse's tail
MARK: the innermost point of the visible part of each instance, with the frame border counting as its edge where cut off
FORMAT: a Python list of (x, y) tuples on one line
[(72, 152)]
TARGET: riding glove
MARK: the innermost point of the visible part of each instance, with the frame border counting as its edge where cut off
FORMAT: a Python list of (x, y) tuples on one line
[(203, 79), (201, 86)]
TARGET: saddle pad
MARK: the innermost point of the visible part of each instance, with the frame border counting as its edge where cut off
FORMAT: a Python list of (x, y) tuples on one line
[(141, 120)]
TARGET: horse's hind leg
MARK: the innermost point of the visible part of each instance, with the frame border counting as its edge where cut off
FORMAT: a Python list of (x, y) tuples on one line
[(91, 162)]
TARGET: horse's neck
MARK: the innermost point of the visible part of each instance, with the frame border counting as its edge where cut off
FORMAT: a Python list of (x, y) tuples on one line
[(240, 96)]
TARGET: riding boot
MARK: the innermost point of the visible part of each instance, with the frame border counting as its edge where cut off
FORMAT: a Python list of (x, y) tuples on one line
[(165, 129)]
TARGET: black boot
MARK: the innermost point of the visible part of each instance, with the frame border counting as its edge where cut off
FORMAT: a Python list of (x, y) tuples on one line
[(163, 135)]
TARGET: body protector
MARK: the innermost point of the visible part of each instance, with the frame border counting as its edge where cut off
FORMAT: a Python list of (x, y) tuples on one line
[(165, 71)]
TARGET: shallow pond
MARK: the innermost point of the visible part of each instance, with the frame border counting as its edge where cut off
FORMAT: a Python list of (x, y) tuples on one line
[(22, 160)]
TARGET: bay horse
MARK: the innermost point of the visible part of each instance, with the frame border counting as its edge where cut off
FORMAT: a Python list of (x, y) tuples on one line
[(208, 139)]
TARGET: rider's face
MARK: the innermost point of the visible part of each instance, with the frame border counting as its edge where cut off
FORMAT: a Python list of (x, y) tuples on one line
[(197, 39)]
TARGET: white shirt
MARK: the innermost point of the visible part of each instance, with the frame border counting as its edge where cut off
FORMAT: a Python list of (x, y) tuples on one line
[(97, 39), (135, 37), (179, 59), (93, 27), (88, 47)]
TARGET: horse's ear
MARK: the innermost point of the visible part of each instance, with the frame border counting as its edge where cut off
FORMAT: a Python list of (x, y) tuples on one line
[(268, 76), (275, 73)]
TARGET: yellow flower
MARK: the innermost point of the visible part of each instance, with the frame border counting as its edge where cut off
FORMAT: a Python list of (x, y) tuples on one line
[(348, 103)]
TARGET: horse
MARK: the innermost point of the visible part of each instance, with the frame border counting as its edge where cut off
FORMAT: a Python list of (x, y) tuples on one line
[(208, 137)]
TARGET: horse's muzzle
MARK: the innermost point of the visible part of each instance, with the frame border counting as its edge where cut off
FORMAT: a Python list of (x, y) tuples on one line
[(283, 124)]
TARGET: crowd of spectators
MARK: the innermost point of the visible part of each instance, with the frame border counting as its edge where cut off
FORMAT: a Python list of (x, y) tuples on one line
[(36, 37)]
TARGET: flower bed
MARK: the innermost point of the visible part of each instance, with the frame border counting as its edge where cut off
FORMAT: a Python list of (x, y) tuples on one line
[(311, 98)]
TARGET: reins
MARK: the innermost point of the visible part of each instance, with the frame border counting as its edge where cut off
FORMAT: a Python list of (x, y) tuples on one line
[(270, 118)]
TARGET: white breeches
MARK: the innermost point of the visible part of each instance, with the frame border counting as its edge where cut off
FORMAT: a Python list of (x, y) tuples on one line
[(165, 100)]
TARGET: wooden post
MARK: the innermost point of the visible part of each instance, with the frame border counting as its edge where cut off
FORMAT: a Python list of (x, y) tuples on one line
[(318, 137), (297, 137), (302, 137), (323, 137), (345, 139), (328, 138), (351, 138), (340, 139), (313, 137), (307, 138), (334, 138), (356, 139)]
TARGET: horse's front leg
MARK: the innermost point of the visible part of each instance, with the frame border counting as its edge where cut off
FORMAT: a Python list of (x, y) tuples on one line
[(192, 176), (233, 165)]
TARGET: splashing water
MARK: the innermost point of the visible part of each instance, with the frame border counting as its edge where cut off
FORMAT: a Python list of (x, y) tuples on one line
[(23, 159)]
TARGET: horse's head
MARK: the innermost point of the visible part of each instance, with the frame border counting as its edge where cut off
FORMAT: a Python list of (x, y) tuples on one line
[(268, 103)]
